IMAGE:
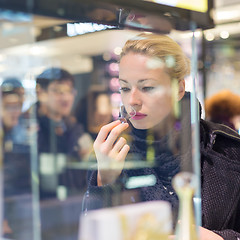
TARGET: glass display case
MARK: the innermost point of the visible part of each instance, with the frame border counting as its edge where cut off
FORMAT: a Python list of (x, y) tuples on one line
[(64, 76)]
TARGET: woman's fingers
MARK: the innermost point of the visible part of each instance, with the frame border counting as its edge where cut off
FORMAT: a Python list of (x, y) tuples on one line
[(115, 133), (108, 136), (104, 131), (111, 151), (123, 153), (118, 148)]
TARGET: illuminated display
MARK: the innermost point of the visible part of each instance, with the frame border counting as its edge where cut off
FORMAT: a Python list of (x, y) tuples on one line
[(74, 29), (195, 5)]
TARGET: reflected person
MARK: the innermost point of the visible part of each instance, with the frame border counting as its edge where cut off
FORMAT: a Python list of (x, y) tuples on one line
[(12, 102), (60, 140), (150, 66), (16, 162), (59, 135), (56, 94)]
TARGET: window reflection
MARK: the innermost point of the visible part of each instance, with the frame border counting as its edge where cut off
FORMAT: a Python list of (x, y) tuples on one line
[(16, 162), (71, 102)]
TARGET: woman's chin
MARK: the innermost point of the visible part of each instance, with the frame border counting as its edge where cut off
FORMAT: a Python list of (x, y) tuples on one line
[(139, 125)]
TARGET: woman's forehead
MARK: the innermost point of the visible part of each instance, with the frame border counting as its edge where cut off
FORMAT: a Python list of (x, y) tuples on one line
[(139, 81), (143, 76), (135, 63), (133, 58)]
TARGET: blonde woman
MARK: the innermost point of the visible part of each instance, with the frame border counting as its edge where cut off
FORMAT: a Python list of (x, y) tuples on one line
[(150, 66)]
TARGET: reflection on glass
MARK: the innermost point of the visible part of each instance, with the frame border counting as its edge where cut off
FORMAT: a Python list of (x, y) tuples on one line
[(185, 184), (136, 158), (141, 20), (201, 6), (16, 162), (124, 115)]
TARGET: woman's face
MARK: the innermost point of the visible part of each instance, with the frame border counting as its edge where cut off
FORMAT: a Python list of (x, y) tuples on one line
[(146, 87)]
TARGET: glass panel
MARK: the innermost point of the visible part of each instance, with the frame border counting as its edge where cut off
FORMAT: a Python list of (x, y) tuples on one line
[(20, 216), (158, 129), (73, 87)]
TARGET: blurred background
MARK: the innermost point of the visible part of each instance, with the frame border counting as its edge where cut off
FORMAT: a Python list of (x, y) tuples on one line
[(54, 35)]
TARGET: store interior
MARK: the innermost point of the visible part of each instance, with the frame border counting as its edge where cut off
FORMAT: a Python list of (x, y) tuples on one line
[(51, 43), (30, 43)]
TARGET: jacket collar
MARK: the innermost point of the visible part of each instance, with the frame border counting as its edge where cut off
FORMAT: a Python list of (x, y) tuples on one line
[(209, 131), (220, 129)]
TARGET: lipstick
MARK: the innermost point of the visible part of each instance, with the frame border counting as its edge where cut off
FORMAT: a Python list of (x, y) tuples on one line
[(138, 116)]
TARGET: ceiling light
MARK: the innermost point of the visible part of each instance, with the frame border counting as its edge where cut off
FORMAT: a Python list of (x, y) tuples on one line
[(209, 36), (226, 15), (74, 29), (106, 56), (37, 50), (224, 34), (117, 50)]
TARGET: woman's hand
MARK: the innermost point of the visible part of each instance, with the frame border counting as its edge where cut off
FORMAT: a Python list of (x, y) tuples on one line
[(206, 234), (111, 151)]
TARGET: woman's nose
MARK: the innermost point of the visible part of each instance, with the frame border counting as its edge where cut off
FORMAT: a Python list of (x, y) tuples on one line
[(135, 98)]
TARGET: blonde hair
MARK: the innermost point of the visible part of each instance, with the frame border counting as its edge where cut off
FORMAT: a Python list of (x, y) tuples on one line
[(161, 47)]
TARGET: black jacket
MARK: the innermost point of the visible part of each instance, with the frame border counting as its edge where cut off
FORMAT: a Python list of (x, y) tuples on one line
[(220, 182), (220, 172)]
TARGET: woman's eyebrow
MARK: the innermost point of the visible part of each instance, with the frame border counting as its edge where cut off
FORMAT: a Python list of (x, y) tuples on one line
[(139, 81), (146, 80), (122, 80)]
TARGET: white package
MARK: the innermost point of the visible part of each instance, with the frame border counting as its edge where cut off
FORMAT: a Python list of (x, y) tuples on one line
[(130, 222)]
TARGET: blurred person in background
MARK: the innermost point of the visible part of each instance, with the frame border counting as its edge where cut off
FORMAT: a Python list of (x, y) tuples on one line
[(15, 136), (58, 129), (94, 110), (16, 163), (224, 107), (61, 140), (12, 102)]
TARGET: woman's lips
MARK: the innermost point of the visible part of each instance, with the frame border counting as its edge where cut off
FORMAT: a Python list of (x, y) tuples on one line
[(138, 116)]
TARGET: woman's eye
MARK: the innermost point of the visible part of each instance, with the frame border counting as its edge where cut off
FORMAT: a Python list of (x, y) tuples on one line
[(124, 89), (147, 89)]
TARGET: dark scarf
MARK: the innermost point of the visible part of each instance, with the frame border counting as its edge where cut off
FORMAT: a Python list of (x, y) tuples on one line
[(165, 166), (165, 161)]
